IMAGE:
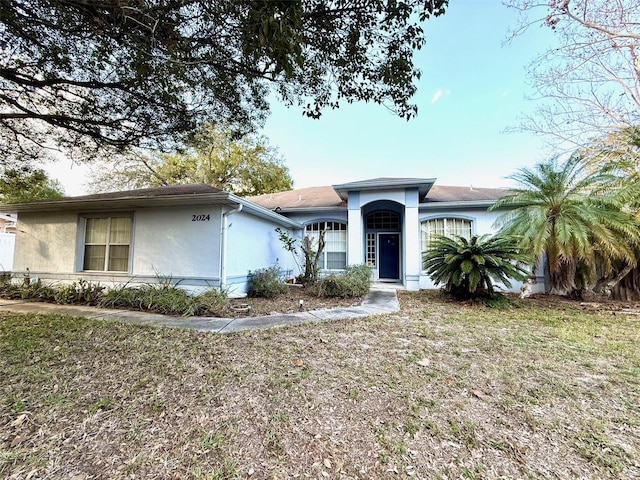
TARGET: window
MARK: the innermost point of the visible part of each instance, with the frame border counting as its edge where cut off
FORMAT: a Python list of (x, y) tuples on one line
[(371, 249), (334, 255), (106, 244), (444, 226), (383, 221)]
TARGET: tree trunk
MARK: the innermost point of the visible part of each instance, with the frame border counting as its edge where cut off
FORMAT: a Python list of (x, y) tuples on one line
[(628, 289)]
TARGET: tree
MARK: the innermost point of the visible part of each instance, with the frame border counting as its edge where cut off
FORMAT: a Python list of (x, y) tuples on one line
[(575, 218), (618, 153), (590, 82), (470, 267), (244, 167), (119, 74), (24, 185), (310, 251)]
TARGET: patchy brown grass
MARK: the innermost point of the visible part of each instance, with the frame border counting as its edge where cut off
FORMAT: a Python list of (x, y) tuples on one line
[(439, 391)]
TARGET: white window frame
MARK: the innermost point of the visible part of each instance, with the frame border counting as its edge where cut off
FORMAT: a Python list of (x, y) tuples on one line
[(108, 244), (314, 234)]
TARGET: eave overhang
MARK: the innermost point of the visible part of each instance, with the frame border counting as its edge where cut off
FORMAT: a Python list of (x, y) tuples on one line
[(135, 202), (456, 205), (422, 184)]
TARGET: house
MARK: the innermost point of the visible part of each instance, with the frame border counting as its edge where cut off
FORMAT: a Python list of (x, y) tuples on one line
[(7, 223), (202, 237), (194, 235), (388, 222), (7, 241)]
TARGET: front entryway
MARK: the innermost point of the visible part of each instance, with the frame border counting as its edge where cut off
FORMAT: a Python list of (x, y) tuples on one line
[(389, 256)]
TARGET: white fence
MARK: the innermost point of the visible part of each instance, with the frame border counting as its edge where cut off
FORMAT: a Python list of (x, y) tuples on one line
[(7, 246)]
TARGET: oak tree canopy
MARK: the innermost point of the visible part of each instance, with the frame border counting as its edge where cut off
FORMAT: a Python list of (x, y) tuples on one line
[(88, 75)]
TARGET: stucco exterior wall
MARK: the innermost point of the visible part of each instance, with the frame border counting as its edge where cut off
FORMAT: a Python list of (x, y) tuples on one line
[(46, 243), (166, 242), (253, 243), (337, 215), (170, 241), (394, 195)]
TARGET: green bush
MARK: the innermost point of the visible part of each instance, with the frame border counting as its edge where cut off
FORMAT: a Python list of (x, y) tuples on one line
[(214, 301), (469, 268), (266, 282), (34, 290), (354, 282), (162, 298), (82, 291)]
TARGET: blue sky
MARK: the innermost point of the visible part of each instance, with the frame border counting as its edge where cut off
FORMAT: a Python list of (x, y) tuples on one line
[(473, 87)]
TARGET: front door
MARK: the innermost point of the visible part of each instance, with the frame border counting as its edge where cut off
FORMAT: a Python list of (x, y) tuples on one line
[(389, 256)]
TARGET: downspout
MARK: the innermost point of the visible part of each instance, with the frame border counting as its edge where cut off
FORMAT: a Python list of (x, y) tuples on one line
[(223, 246)]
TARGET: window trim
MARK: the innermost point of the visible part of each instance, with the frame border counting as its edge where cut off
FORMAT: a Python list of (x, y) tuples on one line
[(83, 244)]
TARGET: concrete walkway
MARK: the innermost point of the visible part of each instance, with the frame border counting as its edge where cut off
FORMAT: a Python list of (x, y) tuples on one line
[(379, 300)]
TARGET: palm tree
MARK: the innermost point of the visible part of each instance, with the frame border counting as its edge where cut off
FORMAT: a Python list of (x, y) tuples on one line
[(575, 218), (470, 268), (618, 153)]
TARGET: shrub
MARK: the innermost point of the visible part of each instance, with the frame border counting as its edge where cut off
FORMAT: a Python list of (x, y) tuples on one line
[(469, 268), (354, 282), (213, 300), (266, 282), (120, 296), (162, 298), (82, 291), (35, 290)]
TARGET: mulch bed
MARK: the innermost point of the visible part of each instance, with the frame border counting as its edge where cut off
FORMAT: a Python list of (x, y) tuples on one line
[(287, 303)]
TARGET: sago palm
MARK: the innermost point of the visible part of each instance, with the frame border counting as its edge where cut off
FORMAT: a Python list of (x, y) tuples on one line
[(471, 267), (573, 217)]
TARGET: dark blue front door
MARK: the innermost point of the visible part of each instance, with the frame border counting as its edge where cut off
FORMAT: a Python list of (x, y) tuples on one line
[(389, 256)]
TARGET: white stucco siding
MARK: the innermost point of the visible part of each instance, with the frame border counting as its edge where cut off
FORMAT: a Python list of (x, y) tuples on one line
[(253, 243), (398, 196), (180, 242), (46, 242), (321, 216)]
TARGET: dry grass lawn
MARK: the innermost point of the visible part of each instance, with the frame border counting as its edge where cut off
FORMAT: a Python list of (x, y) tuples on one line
[(437, 391)]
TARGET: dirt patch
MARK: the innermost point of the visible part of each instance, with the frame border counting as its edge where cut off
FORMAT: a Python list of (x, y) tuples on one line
[(286, 303), (601, 305)]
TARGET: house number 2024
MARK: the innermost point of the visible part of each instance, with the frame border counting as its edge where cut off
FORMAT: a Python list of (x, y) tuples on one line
[(200, 218)]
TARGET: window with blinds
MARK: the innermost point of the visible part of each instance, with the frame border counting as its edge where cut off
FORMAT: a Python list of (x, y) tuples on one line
[(449, 227), (107, 244), (334, 256)]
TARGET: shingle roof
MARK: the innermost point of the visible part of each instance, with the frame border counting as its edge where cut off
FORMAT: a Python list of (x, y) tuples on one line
[(190, 189), (310, 197), (317, 197), (441, 193)]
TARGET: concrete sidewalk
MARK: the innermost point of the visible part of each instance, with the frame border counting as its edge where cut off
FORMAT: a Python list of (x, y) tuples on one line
[(378, 301)]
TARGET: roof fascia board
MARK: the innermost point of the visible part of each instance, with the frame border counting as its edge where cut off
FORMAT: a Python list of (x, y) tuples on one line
[(423, 185), (265, 213), (69, 204), (313, 209), (452, 205)]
